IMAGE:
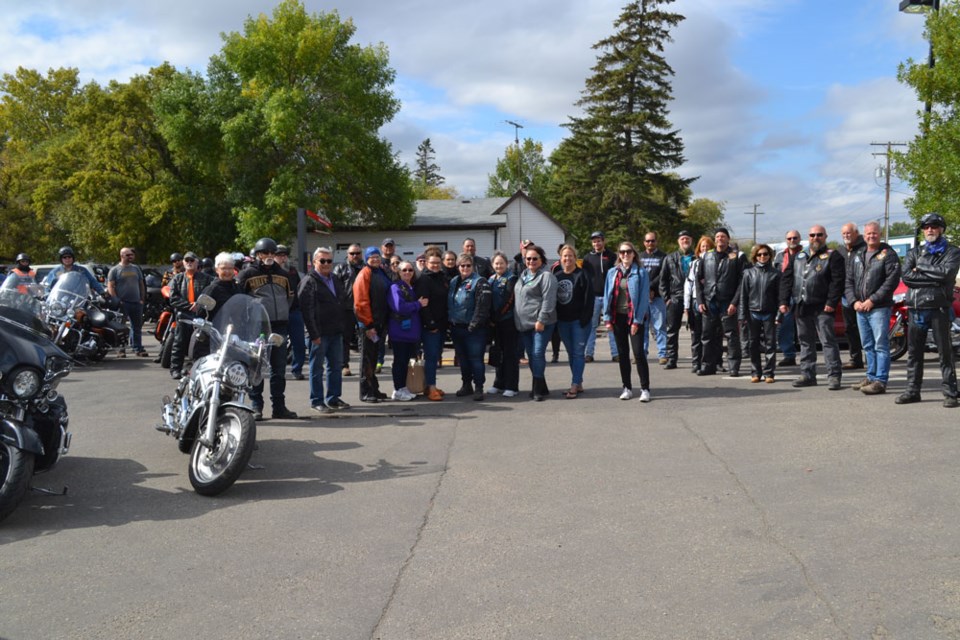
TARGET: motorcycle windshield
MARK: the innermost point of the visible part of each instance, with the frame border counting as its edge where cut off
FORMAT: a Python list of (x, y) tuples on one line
[(23, 305), (248, 317), (69, 291)]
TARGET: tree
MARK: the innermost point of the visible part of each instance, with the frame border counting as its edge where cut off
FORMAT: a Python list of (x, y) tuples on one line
[(614, 170), (702, 216), (522, 167), (426, 181), (902, 228), (931, 164)]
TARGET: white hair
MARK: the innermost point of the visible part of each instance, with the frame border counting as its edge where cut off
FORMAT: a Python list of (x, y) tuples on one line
[(223, 258), (319, 250)]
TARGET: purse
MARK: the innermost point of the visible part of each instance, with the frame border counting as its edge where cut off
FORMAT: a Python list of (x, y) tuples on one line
[(415, 376)]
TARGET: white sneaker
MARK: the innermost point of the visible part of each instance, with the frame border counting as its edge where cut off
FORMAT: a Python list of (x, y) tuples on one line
[(644, 395), (627, 394), (402, 395), (493, 390), (509, 394)]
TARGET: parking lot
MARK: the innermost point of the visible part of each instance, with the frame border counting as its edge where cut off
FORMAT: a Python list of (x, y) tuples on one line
[(722, 509)]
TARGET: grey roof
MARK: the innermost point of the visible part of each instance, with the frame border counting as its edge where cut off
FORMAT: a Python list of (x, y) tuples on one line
[(459, 213)]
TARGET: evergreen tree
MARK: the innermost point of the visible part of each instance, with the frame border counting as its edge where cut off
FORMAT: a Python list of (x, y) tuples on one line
[(428, 171), (614, 171)]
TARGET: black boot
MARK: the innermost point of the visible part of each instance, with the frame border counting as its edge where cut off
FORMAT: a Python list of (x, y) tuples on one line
[(540, 390), (465, 390)]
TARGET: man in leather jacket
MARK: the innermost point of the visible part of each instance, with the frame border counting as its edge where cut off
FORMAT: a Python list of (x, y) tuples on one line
[(185, 288), (873, 273), (346, 272), (787, 328), (718, 293), (673, 276), (596, 264), (321, 297), (852, 243), (930, 272), (815, 279)]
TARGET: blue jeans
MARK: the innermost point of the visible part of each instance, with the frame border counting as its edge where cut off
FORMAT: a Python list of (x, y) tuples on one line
[(658, 324), (592, 334), (574, 337), (535, 343), (134, 312), (330, 350), (469, 347), (787, 335), (432, 348), (298, 341), (874, 328)]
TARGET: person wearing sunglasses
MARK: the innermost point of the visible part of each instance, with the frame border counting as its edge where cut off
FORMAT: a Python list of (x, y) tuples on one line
[(433, 284), (626, 310), (321, 295), (404, 327), (694, 317), (759, 299), (815, 280), (787, 327), (468, 306), (185, 288), (346, 272), (718, 297), (535, 314), (930, 272), (125, 281)]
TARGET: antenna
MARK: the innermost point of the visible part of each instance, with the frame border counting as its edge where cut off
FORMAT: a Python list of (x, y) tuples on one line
[(516, 131)]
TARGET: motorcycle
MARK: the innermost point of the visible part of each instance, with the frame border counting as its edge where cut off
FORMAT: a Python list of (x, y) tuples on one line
[(83, 328), (155, 302), (899, 319), (33, 415), (165, 329), (212, 414)]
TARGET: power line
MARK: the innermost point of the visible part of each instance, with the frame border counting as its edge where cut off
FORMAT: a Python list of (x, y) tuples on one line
[(754, 213), (886, 205)]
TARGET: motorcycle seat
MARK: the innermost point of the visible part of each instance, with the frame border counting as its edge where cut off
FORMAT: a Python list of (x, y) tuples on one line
[(97, 317)]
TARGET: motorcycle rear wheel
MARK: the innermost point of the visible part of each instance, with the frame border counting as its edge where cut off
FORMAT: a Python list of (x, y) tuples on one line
[(16, 469), (166, 351), (213, 471)]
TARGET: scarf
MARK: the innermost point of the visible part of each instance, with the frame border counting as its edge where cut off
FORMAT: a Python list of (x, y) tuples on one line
[(933, 248), (616, 292)]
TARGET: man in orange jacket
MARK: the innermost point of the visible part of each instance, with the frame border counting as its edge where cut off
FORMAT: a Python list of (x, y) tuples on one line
[(370, 306)]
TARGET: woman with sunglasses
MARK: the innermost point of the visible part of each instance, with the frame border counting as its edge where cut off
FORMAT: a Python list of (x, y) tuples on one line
[(403, 327), (468, 304), (535, 314), (694, 317), (574, 312), (626, 301), (759, 296)]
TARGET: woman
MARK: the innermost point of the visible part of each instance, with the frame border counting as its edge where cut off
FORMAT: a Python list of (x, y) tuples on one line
[(403, 327), (535, 314), (468, 303), (626, 301), (450, 265), (694, 317), (225, 286), (759, 293), (574, 312), (505, 336), (433, 285)]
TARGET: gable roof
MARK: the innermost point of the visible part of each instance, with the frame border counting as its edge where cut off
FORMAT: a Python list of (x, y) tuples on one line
[(473, 213)]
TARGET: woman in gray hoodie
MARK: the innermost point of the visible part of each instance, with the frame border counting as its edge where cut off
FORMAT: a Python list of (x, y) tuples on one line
[(535, 314)]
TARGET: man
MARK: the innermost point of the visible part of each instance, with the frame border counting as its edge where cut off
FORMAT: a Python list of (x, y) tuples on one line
[(930, 271), (673, 276), (388, 249), (787, 329), (815, 279), (22, 275), (596, 264), (872, 275), (717, 281), (852, 242), (321, 296), (125, 281), (652, 260), (67, 264), (185, 288), (421, 263), (267, 281), (481, 266), (370, 291), (298, 343), (176, 266), (347, 272)]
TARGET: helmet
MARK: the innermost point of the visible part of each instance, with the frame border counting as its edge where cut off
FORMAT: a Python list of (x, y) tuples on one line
[(22, 257), (206, 263), (65, 251), (934, 220), (175, 257), (283, 250), (265, 245)]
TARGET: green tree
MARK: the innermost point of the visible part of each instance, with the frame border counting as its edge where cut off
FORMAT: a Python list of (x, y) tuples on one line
[(902, 228), (702, 216), (615, 169), (426, 181), (523, 167), (931, 164)]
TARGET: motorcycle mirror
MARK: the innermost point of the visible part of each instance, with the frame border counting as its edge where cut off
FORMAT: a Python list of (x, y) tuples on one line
[(206, 302), (275, 339)]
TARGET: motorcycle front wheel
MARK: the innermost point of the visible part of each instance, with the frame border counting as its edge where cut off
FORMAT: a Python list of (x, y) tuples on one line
[(213, 471), (16, 469)]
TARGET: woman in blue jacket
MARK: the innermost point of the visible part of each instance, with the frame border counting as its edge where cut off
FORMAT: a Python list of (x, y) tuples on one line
[(626, 302), (468, 306)]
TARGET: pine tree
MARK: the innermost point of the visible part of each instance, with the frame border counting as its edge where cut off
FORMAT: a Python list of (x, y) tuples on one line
[(614, 171), (427, 172)]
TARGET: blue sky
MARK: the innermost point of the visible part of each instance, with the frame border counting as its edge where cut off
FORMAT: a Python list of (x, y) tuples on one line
[(777, 100)]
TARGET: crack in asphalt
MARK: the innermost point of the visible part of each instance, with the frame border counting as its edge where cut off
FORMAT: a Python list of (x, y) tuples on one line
[(768, 529), (375, 634)]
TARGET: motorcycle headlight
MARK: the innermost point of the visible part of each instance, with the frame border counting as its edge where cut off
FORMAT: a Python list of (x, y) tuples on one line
[(25, 383), (236, 375), (56, 308)]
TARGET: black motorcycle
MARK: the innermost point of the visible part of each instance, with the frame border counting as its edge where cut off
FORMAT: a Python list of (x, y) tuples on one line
[(33, 415)]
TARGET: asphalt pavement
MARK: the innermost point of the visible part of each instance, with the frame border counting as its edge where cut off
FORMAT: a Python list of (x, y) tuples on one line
[(721, 509)]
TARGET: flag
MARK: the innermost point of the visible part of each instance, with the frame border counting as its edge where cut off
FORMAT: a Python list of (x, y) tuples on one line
[(319, 218)]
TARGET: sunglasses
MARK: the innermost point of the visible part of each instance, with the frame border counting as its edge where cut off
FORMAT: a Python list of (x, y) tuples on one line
[(817, 235), (625, 252), (930, 226), (763, 254), (189, 259), (532, 259), (325, 260), (791, 239), (406, 270), (470, 266), (353, 253)]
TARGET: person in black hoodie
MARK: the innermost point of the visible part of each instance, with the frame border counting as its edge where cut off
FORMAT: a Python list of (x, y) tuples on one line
[(759, 299), (596, 264), (574, 310), (433, 285), (321, 297), (266, 280)]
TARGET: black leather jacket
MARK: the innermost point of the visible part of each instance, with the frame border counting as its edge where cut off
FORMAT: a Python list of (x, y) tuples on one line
[(347, 273), (815, 281), (718, 278), (673, 277), (875, 280), (180, 289), (930, 277), (759, 290)]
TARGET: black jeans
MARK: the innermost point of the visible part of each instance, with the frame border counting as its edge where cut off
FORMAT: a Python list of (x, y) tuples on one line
[(916, 344), (627, 343), (762, 333), (278, 374), (507, 338), (369, 352), (717, 325), (674, 318)]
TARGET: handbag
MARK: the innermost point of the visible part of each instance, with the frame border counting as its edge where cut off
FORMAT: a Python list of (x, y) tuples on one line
[(415, 376)]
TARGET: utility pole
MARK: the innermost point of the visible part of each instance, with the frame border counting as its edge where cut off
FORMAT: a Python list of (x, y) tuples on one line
[(754, 213), (516, 140), (886, 206)]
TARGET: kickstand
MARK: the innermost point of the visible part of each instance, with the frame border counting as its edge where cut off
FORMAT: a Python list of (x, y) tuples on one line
[(50, 492)]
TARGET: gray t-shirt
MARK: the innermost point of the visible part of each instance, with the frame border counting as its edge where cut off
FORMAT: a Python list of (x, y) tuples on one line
[(127, 282)]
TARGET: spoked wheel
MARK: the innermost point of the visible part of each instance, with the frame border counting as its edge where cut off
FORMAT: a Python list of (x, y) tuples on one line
[(213, 471), (898, 340), (16, 469)]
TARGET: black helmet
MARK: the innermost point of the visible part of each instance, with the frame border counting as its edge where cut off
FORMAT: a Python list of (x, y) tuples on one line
[(933, 220), (176, 257), (22, 257), (206, 263), (265, 245), (283, 250), (65, 251)]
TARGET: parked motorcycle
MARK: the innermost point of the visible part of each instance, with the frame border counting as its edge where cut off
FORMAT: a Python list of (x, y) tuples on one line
[(155, 302), (82, 327), (212, 414), (33, 415)]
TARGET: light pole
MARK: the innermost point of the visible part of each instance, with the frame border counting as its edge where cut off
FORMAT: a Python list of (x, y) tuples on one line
[(922, 6)]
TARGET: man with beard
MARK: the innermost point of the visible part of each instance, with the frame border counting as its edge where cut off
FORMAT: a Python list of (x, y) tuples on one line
[(185, 288), (815, 279), (347, 272), (852, 243), (787, 329), (718, 291), (930, 271), (673, 276)]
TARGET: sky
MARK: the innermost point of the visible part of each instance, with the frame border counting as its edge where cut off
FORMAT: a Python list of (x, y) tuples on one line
[(778, 102)]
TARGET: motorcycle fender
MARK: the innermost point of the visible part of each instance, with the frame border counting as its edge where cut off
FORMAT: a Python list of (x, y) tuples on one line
[(238, 405), (15, 434)]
